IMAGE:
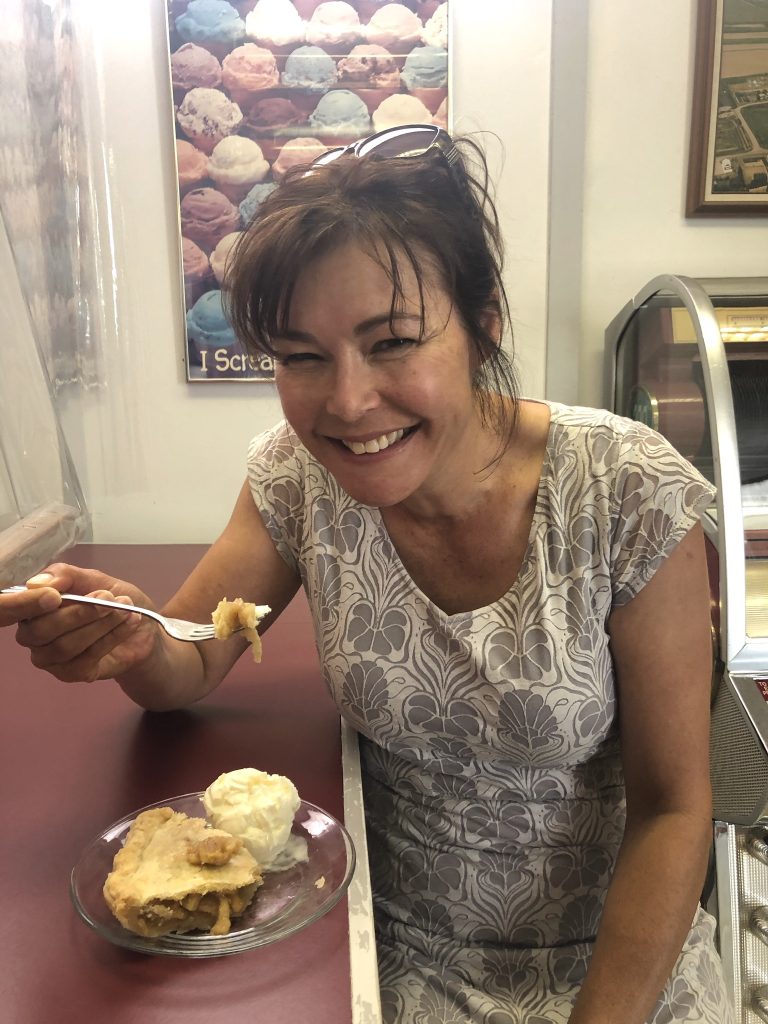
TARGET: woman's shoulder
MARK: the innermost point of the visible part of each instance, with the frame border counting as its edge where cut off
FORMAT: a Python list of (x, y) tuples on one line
[(583, 420), (279, 447), (603, 437), (621, 453), (278, 455), (277, 442)]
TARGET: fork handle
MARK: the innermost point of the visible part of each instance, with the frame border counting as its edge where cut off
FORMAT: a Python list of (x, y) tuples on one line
[(109, 604), (93, 600)]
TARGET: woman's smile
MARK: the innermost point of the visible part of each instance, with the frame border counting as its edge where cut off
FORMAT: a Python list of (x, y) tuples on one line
[(376, 445)]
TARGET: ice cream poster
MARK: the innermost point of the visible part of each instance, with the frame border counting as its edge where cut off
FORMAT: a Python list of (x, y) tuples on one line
[(260, 86)]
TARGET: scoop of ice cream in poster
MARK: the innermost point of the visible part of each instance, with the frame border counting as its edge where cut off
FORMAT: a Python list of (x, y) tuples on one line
[(260, 86)]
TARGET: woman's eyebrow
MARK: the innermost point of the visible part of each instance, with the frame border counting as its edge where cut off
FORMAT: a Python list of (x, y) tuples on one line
[(291, 335), (385, 318)]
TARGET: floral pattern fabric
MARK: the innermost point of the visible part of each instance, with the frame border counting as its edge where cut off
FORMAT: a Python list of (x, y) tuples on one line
[(493, 783)]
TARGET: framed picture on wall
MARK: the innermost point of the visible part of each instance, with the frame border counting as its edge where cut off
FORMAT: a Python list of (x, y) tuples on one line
[(261, 86), (728, 162)]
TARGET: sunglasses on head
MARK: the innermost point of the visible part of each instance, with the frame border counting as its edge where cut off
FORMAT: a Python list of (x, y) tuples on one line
[(408, 140), (405, 142)]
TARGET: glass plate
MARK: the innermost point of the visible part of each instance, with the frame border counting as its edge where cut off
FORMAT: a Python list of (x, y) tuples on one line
[(286, 902)]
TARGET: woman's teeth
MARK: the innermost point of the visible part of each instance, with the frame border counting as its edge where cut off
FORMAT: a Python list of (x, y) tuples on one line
[(378, 444)]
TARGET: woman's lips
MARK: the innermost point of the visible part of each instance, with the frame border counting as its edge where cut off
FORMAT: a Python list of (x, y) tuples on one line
[(375, 445)]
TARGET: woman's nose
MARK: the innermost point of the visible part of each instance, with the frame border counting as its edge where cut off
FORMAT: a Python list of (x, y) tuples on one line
[(353, 391)]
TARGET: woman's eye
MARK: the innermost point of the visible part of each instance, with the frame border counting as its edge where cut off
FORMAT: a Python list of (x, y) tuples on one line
[(296, 358), (393, 345)]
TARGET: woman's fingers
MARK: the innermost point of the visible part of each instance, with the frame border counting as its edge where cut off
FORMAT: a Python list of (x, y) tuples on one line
[(98, 650), (27, 604), (75, 641), (114, 648), (70, 630), (42, 593), (42, 579), (72, 579)]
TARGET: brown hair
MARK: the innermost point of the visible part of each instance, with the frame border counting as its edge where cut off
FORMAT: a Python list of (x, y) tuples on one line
[(394, 208)]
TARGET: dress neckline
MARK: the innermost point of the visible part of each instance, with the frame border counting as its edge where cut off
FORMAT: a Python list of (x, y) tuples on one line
[(437, 611)]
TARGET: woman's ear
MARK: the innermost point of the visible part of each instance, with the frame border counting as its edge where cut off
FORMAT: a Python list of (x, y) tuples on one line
[(491, 318), (490, 340)]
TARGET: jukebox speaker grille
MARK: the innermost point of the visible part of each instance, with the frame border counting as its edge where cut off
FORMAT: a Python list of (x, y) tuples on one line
[(738, 764)]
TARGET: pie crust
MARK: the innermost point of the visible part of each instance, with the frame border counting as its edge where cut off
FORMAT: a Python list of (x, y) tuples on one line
[(177, 874)]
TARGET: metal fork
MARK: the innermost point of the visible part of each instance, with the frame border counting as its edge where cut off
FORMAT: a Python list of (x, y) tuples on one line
[(179, 629)]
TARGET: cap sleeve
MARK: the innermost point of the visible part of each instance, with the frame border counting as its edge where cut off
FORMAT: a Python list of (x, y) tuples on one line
[(276, 470), (659, 496)]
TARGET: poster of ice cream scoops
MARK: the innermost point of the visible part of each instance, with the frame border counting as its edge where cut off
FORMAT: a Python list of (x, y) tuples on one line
[(260, 86)]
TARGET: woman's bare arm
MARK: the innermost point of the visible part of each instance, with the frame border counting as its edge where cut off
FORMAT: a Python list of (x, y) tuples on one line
[(243, 562), (663, 660), (76, 642)]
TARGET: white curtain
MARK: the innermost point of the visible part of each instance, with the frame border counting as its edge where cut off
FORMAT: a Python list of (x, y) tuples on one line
[(47, 274), (45, 198)]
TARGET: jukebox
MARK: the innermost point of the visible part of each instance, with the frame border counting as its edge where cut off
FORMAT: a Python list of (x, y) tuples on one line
[(690, 359)]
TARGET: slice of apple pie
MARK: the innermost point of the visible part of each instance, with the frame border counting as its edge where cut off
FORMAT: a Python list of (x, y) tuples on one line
[(177, 874)]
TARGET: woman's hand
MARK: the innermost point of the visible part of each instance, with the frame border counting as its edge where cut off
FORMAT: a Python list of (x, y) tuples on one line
[(77, 642)]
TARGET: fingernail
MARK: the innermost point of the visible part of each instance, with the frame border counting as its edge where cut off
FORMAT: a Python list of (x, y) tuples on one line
[(41, 580)]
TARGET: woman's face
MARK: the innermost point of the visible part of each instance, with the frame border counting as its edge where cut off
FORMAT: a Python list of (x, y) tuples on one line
[(392, 417)]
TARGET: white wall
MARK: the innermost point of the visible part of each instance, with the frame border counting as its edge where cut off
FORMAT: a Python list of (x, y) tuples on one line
[(501, 90), (161, 459), (638, 87), (590, 105)]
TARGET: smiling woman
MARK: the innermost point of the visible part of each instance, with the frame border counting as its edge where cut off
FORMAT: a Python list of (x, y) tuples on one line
[(495, 585), (389, 198)]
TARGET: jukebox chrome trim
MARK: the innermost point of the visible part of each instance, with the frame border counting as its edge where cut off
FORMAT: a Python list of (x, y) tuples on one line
[(728, 913), (730, 531)]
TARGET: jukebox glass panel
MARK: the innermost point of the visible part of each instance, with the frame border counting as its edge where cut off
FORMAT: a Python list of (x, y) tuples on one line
[(743, 322), (660, 381)]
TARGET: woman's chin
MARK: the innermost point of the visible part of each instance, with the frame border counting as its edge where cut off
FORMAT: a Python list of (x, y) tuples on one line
[(375, 495)]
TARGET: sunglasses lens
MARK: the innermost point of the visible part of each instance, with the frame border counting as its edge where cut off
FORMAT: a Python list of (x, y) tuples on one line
[(400, 142)]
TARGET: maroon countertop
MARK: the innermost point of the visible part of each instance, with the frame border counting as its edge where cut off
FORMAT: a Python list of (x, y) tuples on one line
[(77, 757)]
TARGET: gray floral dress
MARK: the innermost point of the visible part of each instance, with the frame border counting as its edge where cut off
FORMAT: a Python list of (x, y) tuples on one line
[(493, 783)]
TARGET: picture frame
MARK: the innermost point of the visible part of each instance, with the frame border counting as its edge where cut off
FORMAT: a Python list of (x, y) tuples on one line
[(728, 154)]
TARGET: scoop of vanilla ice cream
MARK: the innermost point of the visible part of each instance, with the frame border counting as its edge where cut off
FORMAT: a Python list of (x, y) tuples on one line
[(257, 807)]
